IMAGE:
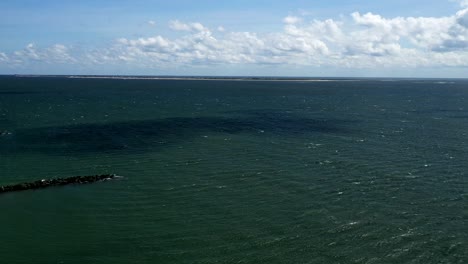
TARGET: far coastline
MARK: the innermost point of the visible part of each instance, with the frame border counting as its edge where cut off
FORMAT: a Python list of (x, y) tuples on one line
[(227, 78)]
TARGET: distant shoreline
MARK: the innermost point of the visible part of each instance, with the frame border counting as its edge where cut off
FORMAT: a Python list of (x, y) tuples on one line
[(229, 78), (209, 79), (190, 78)]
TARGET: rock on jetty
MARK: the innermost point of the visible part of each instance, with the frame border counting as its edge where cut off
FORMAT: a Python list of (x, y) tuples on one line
[(44, 183)]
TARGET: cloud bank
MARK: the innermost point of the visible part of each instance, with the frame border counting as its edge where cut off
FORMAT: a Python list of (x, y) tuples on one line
[(360, 40)]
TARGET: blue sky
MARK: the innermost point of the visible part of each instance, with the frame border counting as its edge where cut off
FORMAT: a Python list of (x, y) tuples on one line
[(290, 38)]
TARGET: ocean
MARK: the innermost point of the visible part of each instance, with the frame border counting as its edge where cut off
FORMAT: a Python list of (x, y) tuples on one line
[(235, 171)]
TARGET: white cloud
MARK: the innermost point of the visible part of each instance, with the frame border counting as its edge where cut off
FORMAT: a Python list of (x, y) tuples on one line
[(197, 27), (152, 23), (179, 26), (423, 32), (57, 53), (462, 18), (357, 41), (201, 46), (291, 20), (3, 57), (28, 53)]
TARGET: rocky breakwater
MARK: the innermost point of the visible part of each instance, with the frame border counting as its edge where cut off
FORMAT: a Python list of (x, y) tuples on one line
[(44, 183)]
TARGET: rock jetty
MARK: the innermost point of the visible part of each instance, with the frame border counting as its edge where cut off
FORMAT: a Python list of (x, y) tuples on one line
[(44, 183)]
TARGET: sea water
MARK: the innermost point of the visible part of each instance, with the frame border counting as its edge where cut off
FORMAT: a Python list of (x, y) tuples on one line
[(235, 171)]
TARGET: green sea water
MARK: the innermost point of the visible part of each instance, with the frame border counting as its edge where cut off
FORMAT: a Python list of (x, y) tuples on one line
[(344, 171)]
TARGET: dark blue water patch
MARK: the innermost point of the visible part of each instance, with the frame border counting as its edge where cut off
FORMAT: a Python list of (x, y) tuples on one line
[(4, 121), (460, 117), (5, 93), (438, 110), (150, 135)]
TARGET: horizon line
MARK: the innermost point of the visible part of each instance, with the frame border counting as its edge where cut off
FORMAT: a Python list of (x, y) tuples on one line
[(222, 77)]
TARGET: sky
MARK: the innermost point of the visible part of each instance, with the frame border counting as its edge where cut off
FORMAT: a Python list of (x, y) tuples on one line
[(311, 38)]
